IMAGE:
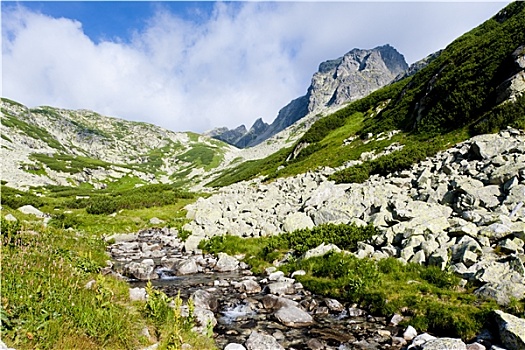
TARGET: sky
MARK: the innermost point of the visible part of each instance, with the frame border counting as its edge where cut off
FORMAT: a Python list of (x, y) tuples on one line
[(194, 66)]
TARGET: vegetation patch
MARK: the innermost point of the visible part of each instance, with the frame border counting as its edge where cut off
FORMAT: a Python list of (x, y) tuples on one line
[(30, 130), (202, 155), (43, 309), (69, 164)]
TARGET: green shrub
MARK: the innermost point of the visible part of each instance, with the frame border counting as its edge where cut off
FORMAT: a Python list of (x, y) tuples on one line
[(15, 199), (9, 230), (64, 221), (101, 205)]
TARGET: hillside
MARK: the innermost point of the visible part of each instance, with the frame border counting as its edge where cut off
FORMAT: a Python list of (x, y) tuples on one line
[(52, 146), (475, 85)]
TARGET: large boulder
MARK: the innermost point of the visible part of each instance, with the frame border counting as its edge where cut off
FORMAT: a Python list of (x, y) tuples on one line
[(444, 344), (293, 316), (490, 145), (260, 341), (511, 330), (185, 267), (140, 270), (226, 263), (321, 250), (205, 300), (29, 209), (297, 221)]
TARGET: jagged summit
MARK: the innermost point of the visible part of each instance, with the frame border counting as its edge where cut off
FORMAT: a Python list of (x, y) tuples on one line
[(337, 81)]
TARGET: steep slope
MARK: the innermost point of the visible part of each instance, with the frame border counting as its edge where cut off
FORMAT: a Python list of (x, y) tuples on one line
[(51, 146), (337, 82), (475, 85), (466, 84)]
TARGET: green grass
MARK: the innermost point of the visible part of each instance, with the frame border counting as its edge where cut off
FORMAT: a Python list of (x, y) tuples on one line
[(41, 308), (6, 138), (202, 156), (44, 303)]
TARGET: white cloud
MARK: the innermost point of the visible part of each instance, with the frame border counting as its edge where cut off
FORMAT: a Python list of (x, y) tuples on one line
[(247, 60)]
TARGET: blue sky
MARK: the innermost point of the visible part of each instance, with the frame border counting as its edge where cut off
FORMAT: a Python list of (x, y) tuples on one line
[(118, 20), (199, 65)]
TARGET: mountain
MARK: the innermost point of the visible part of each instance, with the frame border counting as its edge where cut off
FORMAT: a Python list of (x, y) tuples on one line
[(475, 85), (52, 146), (336, 82)]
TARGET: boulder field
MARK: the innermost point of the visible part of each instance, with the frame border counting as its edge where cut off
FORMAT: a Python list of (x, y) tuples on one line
[(461, 209)]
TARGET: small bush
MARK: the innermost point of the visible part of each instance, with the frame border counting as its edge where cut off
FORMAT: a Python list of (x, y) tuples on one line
[(15, 199), (9, 230), (64, 221), (101, 205)]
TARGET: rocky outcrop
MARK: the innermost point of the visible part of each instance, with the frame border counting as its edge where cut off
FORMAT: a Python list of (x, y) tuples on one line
[(514, 85), (462, 208), (339, 81), (511, 330), (109, 148), (227, 135)]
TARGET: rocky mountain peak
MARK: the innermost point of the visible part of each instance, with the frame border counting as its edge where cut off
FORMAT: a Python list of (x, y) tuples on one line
[(337, 81), (354, 76)]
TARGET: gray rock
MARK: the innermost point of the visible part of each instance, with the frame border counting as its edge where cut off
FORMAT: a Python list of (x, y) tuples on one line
[(420, 340), (156, 221), (205, 300), (439, 258), (502, 292), (234, 346), (334, 305), (475, 346), (490, 145), (511, 330), (356, 312), (495, 231), (321, 250), (260, 341), (274, 276), (274, 302), (10, 217), (205, 318), (409, 333), (293, 316), (281, 288), (185, 267), (192, 242), (444, 344), (30, 210), (137, 294), (140, 271), (250, 287), (297, 221), (226, 263)]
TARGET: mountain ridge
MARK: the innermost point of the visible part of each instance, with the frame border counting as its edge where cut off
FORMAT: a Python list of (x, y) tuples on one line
[(336, 82), (41, 146)]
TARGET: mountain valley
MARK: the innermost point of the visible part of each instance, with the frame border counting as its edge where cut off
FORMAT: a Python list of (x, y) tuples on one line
[(384, 209)]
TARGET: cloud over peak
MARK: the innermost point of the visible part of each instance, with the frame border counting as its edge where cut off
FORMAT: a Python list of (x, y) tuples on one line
[(226, 67)]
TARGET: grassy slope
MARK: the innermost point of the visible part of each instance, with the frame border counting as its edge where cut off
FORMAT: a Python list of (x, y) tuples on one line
[(93, 127), (44, 269), (448, 101)]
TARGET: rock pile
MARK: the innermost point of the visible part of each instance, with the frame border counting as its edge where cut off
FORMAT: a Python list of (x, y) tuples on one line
[(274, 311), (461, 209)]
